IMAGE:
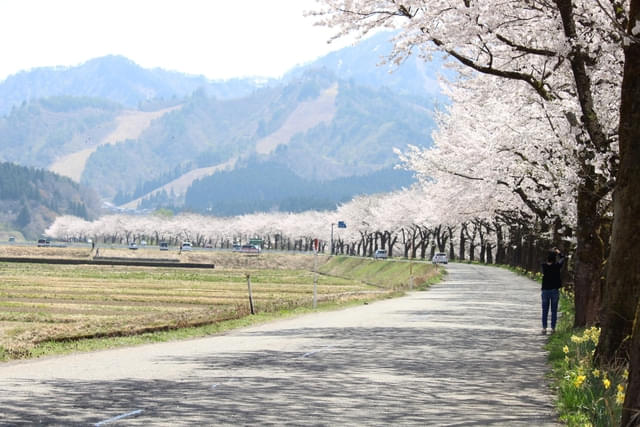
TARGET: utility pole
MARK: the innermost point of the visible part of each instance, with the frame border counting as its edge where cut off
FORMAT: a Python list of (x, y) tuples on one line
[(332, 224)]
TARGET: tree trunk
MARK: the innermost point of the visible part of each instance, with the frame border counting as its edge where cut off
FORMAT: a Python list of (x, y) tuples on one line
[(631, 406), (489, 253), (589, 258), (623, 265), (462, 243), (500, 252)]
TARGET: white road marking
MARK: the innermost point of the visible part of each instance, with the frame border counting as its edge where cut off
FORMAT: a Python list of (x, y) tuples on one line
[(119, 417), (317, 351)]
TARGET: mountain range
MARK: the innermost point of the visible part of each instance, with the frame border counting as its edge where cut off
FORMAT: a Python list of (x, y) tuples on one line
[(151, 138)]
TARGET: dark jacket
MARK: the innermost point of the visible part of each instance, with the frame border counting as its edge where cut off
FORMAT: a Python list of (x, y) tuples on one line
[(552, 274)]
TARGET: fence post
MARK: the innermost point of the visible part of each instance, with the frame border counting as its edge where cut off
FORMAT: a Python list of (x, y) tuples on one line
[(315, 279), (250, 295), (410, 275)]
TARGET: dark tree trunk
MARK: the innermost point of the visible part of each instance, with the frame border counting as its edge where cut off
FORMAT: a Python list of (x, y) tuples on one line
[(631, 405), (462, 242), (452, 253), (391, 243), (500, 252), (589, 258), (623, 266)]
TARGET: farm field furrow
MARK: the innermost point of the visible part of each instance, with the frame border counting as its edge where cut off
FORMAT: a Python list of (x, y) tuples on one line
[(41, 303)]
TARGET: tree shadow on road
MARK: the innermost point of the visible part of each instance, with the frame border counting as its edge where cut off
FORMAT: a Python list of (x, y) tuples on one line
[(377, 375)]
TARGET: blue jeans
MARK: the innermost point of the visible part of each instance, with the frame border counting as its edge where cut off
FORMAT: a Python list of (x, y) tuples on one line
[(550, 297)]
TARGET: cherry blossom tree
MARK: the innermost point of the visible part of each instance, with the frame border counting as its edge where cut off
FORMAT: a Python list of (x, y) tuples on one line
[(566, 52)]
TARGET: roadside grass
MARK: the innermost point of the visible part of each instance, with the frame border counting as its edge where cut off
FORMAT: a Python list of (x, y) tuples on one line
[(50, 309)]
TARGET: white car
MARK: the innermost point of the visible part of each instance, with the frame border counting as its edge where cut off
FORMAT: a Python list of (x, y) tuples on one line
[(186, 246), (440, 258), (380, 254)]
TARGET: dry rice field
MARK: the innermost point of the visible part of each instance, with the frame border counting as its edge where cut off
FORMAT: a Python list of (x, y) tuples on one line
[(50, 302)]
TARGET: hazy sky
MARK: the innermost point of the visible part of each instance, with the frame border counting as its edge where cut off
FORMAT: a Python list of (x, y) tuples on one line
[(216, 38)]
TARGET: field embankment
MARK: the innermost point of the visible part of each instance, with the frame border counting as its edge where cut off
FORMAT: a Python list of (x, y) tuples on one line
[(386, 274)]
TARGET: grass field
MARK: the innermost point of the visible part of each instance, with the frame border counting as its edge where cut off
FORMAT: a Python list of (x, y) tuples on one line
[(41, 304)]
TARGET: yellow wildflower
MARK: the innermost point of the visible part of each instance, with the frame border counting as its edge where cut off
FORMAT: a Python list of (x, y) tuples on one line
[(625, 374), (579, 380), (596, 373), (565, 349), (620, 388), (606, 383), (619, 398), (576, 339)]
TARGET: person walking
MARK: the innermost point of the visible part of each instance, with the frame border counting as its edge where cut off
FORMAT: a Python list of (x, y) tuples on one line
[(551, 284)]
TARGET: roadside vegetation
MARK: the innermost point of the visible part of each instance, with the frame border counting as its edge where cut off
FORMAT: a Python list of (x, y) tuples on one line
[(51, 309), (587, 395)]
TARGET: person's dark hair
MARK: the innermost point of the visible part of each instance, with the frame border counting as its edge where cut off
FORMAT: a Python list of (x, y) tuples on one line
[(551, 257)]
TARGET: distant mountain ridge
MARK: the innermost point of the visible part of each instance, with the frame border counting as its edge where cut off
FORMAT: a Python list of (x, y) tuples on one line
[(365, 64), (145, 136), (118, 79)]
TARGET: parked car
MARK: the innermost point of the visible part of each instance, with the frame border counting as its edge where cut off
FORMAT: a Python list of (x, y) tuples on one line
[(250, 249), (186, 246), (133, 246), (208, 246), (12, 239), (43, 243), (440, 258), (236, 247), (380, 254), (164, 246)]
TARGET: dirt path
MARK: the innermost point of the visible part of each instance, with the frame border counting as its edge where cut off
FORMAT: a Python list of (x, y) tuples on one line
[(467, 352)]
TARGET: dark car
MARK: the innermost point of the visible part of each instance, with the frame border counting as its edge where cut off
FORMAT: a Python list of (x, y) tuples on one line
[(250, 249)]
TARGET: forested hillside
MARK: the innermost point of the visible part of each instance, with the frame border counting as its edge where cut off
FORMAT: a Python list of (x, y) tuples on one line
[(267, 186), (30, 198), (365, 126), (35, 133)]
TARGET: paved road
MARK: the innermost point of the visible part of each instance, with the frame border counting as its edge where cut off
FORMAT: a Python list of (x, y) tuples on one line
[(466, 352)]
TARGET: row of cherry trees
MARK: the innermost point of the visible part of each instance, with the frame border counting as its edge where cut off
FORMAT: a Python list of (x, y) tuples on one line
[(403, 223), (549, 112)]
